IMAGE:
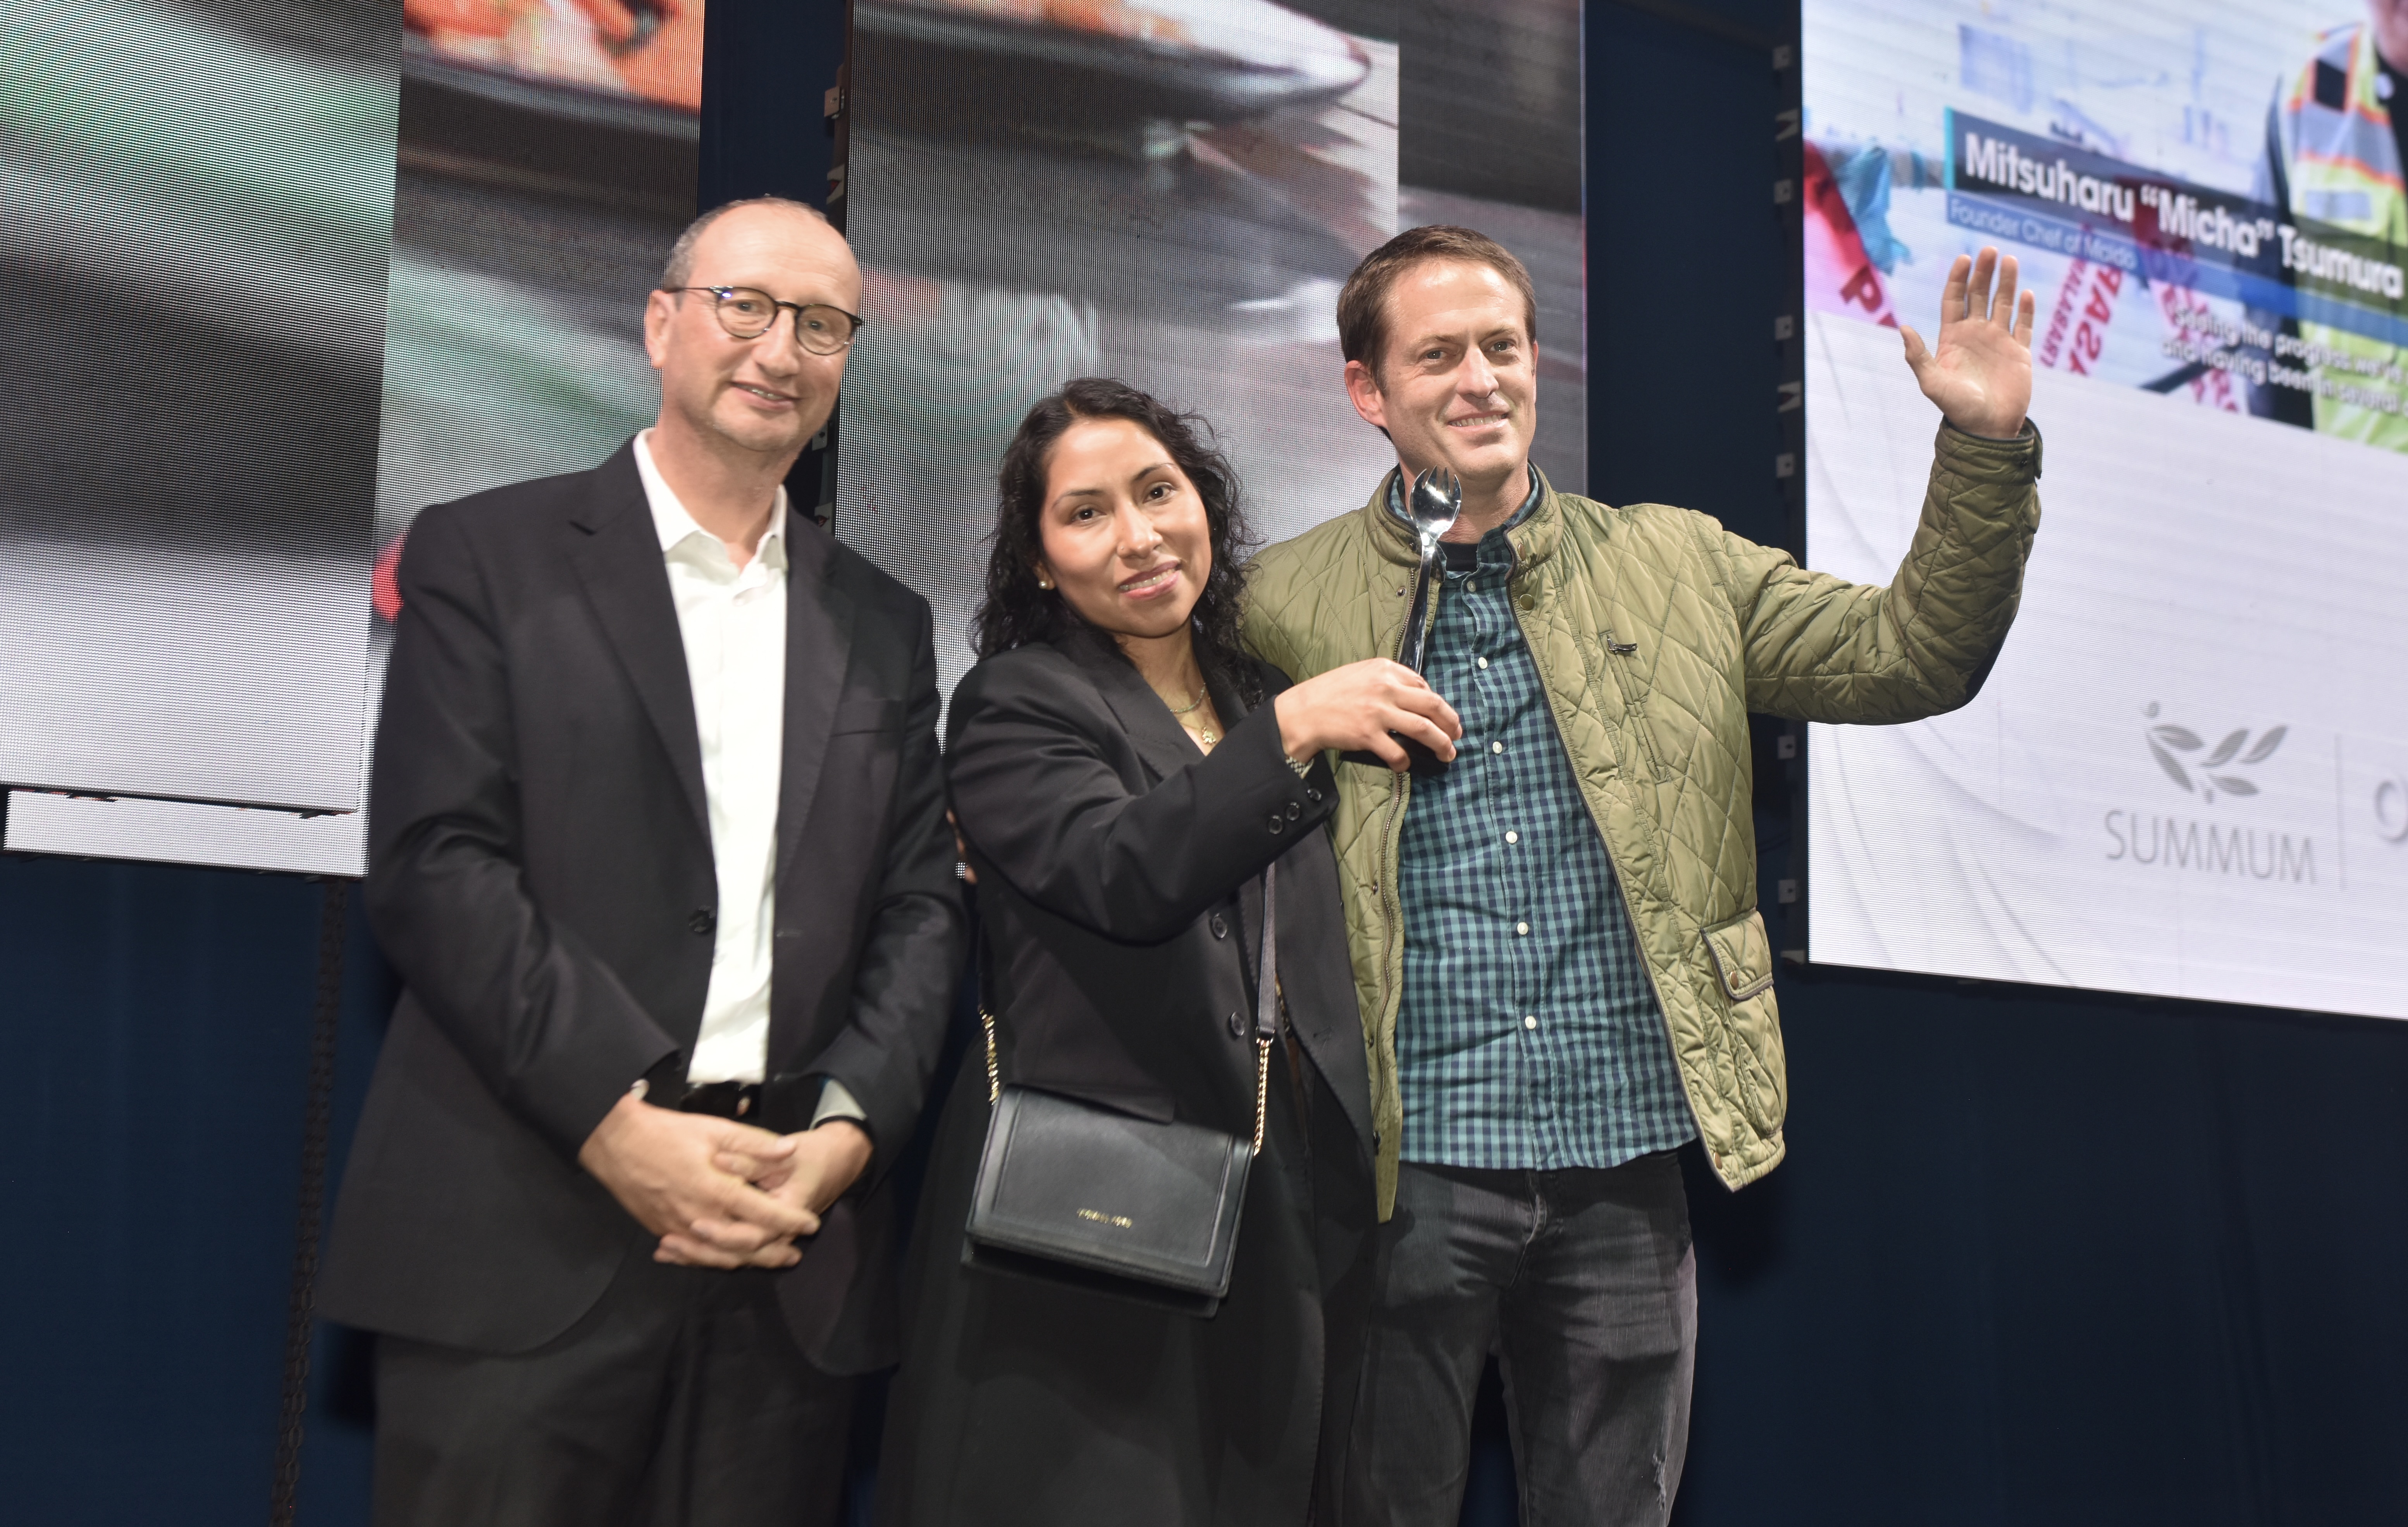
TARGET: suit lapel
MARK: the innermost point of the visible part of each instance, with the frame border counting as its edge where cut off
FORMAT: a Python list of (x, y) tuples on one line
[(1160, 741), (1167, 748), (818, 649), (1151, 729), (619, 560)]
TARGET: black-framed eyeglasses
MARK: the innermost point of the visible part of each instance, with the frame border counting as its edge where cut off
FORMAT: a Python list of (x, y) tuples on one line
[(746, 313)]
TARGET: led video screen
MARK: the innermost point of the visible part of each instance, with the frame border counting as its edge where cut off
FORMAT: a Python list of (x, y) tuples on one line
[(1172, 192), (194, 233), (2188, 774), (384, 255)]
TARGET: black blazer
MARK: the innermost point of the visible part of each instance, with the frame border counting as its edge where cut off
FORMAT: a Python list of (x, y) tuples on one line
[(1108, 850), (539, 873), (1118, 885)]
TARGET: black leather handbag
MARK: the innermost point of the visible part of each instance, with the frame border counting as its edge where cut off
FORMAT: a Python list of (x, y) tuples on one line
[(1085, 1196)]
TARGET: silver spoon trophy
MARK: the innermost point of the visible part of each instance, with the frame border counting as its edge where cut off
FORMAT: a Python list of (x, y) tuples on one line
[(1433, 506)]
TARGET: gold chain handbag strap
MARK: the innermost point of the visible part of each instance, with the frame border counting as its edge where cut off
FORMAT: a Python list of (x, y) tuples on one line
[(986, 1017), (994, 1078), (1268, 1000), (1262, 1087)]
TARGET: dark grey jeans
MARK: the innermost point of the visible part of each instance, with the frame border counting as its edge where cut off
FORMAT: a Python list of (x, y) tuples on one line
[(1585, 1285)]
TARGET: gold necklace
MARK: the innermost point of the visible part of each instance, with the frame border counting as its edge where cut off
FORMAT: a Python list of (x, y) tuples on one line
[(1202, 731)]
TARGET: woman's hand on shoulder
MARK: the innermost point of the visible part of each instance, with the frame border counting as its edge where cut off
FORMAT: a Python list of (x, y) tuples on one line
[(1355, 708)]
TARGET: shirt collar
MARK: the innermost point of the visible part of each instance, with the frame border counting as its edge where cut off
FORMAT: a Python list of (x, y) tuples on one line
[(673, 524)]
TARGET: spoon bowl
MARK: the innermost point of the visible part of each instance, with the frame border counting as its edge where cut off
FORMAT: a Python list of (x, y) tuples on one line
[(1435, 504), (1436, 501)]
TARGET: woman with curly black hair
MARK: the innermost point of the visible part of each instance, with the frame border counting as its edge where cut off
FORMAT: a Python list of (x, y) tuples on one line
[(1127, 780)]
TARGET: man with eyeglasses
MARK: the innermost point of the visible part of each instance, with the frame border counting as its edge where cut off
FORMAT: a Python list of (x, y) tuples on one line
[(658, 847)]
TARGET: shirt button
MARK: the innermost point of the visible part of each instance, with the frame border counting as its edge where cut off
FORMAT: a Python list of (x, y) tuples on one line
[(704, 922), (1513, 838), (1531, 1021), (1220, 926), (1471, 586), (1496, 747), (1521, 928), (1481, 661)]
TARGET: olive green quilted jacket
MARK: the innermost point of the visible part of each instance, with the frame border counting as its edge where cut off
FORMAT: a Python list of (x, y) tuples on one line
[(1657, 631)]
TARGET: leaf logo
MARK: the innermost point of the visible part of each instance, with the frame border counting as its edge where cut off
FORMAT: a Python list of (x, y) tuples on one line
[(2166, 740)]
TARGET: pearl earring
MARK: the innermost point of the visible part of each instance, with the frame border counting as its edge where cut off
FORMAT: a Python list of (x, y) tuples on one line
[(1042, 583)]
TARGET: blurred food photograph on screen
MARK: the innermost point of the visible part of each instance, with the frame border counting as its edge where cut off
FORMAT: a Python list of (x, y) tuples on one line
[(2174, 782), (1172, 192), (393, 254), (547, 162), (646, 50)]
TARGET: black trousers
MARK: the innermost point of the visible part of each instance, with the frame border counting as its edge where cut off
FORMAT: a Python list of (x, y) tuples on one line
[(679, 1400), (1584, 1284)]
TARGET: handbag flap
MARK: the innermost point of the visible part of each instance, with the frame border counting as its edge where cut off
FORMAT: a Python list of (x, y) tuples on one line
[(1743, 955), (1111, 1190)]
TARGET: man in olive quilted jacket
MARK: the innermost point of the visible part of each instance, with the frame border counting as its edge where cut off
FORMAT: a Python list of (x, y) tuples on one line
[(1557, 956)]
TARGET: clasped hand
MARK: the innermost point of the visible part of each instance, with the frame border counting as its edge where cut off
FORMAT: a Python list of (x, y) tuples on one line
[(720, 1193)]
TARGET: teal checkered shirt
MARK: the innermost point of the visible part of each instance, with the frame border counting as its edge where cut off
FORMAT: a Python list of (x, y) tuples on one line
[(1528, 1035)]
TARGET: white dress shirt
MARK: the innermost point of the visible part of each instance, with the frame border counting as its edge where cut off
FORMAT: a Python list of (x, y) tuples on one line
[(734, 625)]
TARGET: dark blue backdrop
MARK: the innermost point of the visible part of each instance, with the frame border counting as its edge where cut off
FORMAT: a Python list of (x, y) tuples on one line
[(2034, 1258)]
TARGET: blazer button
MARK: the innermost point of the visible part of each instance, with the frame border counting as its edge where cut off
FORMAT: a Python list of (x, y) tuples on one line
[(1294, 811), (1312, 794), (704, 922), (1220, 926), (1237, 1025), (1278, 824)]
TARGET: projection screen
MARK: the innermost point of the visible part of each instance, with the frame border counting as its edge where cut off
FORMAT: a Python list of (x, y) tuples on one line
[(1172, 192), (2187, 775), (287, 272)]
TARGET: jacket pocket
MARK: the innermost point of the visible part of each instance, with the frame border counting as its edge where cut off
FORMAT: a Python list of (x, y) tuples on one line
[(869, 713), (1614, 660), (1743, 955)]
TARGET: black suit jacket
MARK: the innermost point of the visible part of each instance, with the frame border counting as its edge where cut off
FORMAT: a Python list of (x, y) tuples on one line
[(539, 873), (1119, 876), (1118, 880)]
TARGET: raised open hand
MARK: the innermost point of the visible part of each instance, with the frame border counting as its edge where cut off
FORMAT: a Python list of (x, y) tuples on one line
[(1980, 374)]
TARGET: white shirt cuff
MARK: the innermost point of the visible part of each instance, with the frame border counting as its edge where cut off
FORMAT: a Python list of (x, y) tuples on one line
[(837, 1102)]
